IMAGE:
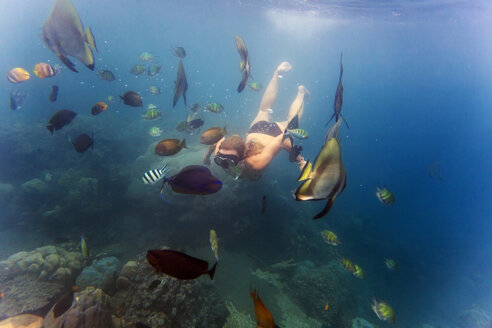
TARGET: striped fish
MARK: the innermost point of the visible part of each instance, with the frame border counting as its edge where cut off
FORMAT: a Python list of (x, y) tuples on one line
[(298, 133), (385, 195), (152, 176)]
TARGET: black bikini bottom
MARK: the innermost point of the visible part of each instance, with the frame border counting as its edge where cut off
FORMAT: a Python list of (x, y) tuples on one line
[(264, 127)]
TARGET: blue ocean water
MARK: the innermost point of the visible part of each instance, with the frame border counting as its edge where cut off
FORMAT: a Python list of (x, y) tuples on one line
[(417, 80)]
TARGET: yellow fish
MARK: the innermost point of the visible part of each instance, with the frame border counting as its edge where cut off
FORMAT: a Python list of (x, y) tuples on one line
[(330, 237), (384, 311), (359, 273), (214, 244), (63, 33), (83, 247)]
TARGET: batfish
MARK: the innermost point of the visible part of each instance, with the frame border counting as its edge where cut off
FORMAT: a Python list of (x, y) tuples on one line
[(337, 106), (180, 85), (244, 64), (63, 33), (179, 265), (326, 179)]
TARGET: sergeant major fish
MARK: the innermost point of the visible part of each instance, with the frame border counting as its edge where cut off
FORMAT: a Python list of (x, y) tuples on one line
[(152, 176)]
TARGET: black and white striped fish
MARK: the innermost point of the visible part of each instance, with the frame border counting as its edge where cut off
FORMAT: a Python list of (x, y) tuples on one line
[(152, 176)]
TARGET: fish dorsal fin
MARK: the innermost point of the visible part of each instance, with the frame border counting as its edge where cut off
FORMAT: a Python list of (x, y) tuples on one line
[(89, 38), (306, 172)]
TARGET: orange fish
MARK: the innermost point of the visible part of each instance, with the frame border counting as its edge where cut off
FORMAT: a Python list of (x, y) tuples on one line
[(327, 306), (18, 75), (263, 317), (2, 294), (98, 108), (43, 70)]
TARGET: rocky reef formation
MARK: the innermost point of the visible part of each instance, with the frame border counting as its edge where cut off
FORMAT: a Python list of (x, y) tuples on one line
[(31, 281), (22, 321), (237, 319), (100, 274), (90, 309), (474, 317), (156, 300)]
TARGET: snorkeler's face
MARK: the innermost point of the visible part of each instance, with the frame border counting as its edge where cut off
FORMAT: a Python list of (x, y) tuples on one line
[(226, 160)]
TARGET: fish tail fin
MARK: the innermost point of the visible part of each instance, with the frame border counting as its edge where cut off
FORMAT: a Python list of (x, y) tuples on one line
[(89, 38), (306, 171), (67, 62), (184, 143), (332, 116), (325, 210), (164, 180), (242, 84), (343, 117), (184, 97), (50, 128), (225, 129), (211, 273)]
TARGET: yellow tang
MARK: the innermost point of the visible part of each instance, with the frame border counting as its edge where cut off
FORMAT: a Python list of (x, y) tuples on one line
[(17, 75), (214, 244), (43, 70)]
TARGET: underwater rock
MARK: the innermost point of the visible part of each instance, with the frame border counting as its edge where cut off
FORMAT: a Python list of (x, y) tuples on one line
[(32, 280), (90, 309), (237, 319), (361, 323), (173, 303), (101, 274), (123, 283), (474, 317), (6, 190), (129, 270), (292, 315), (271, 278), (35, 186), (22, 321)]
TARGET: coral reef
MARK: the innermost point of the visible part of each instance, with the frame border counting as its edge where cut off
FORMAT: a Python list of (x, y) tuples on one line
[(90, 309), (100, 274), (172, 303), (35, 186), (361, 323), (32, 280), (237, 319), (271, 278), (292, 315), (22, 321), (474, 317)]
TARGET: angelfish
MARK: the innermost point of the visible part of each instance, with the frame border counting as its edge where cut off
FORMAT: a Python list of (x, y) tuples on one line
[(63, 33), (337, 106), (214, 244), (325, 179)]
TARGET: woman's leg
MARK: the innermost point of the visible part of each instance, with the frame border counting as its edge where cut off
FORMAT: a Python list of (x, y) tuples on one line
[(270, 95), (296, 108)]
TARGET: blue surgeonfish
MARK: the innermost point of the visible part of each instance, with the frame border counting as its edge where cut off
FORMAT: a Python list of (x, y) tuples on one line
[(63, 33)]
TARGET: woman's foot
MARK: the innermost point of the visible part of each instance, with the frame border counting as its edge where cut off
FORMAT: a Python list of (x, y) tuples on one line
[(284, 67), (303, 91)]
